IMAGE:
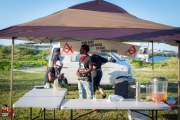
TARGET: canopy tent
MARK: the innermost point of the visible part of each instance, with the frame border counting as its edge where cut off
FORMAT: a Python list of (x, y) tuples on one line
[(92, 21)]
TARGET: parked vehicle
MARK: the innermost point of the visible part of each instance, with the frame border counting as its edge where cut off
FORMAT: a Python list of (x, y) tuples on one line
[(114, 68)]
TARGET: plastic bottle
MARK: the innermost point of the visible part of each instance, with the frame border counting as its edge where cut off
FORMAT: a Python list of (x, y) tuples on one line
[(47, 85), (55, 87), (138, 91)]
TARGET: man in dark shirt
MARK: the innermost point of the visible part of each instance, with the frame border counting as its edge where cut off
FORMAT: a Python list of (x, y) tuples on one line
[(96, 73), (56, 57), (53, 73), (84, 73)]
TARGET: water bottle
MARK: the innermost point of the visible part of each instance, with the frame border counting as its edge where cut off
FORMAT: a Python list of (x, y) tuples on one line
[(47, 85), (55, 87), (94, 97), (149, 91), (138, 91)]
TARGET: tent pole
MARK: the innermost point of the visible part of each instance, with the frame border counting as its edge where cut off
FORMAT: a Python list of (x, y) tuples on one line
[(179, 81), (50, 46), (12, 64), (152, 59), (49, 65), (148, 53), (60, 47)]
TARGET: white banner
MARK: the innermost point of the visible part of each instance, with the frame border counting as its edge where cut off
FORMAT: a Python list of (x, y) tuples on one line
[(97, 46)]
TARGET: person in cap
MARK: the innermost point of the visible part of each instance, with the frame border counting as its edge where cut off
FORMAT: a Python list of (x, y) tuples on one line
[(61, 77), (56, 57), (84, 74), (53, 73)]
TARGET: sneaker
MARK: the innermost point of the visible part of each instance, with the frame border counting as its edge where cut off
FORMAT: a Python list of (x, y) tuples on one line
[(95, 111), (104, 96)]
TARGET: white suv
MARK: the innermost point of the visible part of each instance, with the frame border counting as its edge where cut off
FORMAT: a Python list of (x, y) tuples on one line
[(114, 68)]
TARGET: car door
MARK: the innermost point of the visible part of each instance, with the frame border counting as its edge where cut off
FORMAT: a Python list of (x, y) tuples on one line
[(72, 67), (110, 69)]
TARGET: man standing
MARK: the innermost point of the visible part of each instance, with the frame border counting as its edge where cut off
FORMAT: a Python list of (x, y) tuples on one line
[(84, 73)]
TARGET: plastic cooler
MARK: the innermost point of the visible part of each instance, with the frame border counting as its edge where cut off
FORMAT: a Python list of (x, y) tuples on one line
[(122, 87)]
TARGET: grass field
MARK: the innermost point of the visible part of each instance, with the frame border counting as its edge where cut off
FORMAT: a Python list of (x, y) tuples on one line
[(25, 81)]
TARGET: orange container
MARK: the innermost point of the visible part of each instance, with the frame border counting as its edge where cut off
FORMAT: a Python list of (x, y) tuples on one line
[(159, 96), (159, 88)]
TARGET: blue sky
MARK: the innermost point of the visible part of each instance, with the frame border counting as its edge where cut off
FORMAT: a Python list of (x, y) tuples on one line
[(13, 12)]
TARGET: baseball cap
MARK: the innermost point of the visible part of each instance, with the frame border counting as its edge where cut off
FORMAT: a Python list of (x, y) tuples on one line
[(58, 50), (59, 63)]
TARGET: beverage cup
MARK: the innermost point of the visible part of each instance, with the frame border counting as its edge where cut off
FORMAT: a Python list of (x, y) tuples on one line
[(47, 85), (94, 97)]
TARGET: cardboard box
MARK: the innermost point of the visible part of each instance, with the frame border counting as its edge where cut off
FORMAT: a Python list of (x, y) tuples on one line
[(132, 115)]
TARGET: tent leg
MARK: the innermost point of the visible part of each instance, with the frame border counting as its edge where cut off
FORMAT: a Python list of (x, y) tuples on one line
[(12, 64), (52, 64), (50, 46), (179, 81), (152, 59)]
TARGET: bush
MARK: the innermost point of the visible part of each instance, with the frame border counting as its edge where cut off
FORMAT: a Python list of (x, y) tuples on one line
[(27, 51), (5, 64), (4, 50), (173, 63), (137, 63), (170, 64), (44, 53)]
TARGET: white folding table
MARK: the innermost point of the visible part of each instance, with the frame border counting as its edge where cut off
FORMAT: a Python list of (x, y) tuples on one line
[(86, 104), (41, 98), (39, 102), (131, 104), (47, 92), (105, 104)]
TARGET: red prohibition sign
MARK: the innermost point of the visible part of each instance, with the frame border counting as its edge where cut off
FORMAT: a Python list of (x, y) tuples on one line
[(67, 48), (131, 51)]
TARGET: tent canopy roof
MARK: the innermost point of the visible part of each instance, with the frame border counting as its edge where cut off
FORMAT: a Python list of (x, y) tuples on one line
[(99, 5)]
